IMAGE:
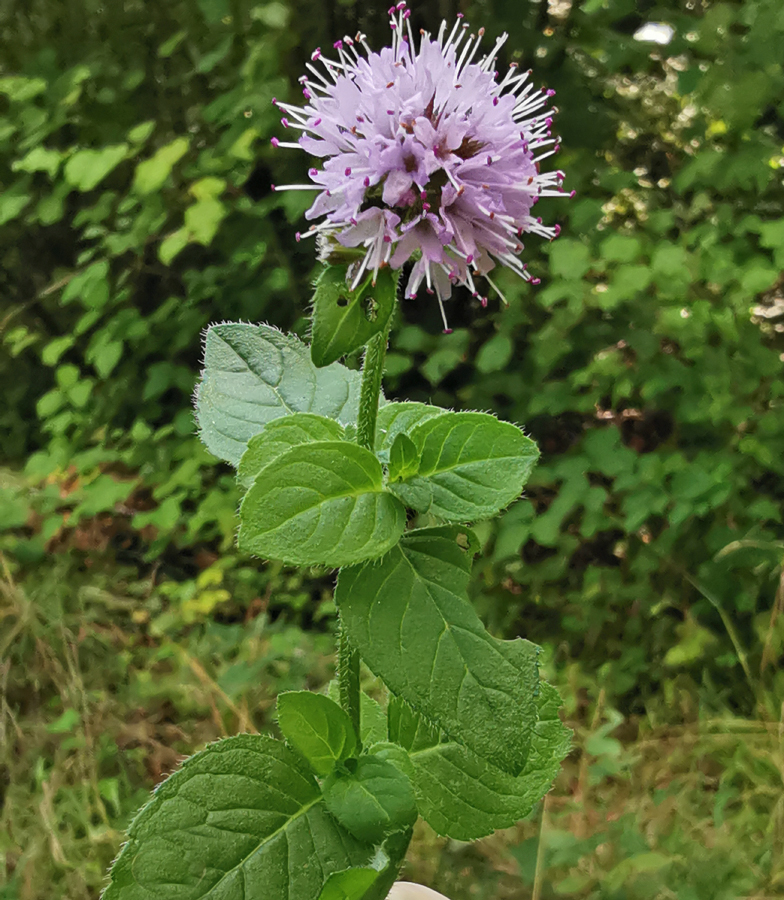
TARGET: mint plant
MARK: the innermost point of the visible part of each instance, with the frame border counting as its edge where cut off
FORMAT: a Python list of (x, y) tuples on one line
[(427, 157)]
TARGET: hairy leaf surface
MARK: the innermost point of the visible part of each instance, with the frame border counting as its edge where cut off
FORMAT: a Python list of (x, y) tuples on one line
[(243, 818), (345, 320), (409, 617), (465, 797), (400, 418), (281, 435), (371, 799), (321, 504), (254, 374), (471, 466), (318, 728), (403, 459)]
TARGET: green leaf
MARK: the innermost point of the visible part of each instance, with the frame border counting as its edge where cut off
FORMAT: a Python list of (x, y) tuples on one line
[(169, 46), (90, 286), (20, 89), (140, 133), (465, 797), (385, 865), (371, 798), (254, 374), (471, 466), (39, 159), (243, 818), (173, 244), (345, 320), (12, 202), (86, 168), (281, 435), (372, 718), (403, 459), (400, 418), (409, 617), (352, 884), (321, 504), (496, 354), (318, 728), (151, 174), (203, 219)]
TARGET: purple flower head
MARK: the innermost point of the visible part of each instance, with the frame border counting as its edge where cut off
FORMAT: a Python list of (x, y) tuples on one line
[(427, 155)]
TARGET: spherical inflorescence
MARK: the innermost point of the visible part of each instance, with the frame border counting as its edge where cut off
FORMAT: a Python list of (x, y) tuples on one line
[(427, 155)]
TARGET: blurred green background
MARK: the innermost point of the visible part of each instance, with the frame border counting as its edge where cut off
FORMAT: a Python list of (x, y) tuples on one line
[(646, 557)]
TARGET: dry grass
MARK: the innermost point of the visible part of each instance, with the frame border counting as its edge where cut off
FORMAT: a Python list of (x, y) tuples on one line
[(94, 710)]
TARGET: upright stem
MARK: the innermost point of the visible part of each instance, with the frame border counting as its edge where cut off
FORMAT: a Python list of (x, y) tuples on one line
[(348, 679), (372, 372)]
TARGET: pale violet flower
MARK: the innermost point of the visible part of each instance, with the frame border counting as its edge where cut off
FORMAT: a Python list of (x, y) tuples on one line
[(407, 890), (427, 155)]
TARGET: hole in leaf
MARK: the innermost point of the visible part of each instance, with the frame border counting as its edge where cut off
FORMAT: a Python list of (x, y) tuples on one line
[(342, 300)]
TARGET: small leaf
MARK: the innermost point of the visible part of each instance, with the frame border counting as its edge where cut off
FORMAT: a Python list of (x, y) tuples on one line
[(281, 435), (86, 168), (254, 374), (496, 354), (471, 466), (465, 797), (321, 504), (203, 219), (345, 320), (396, 418), (169, 46), (243, 818), (172, 245), (352, 884), (12, 202), (371, 799), (403, 459), (409, 616), (318, 728), (152, 173), (19, 89), (39, 159), (372, 718), (140, 133)]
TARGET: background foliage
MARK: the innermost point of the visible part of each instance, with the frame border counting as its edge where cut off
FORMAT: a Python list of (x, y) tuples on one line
[(646, 557)]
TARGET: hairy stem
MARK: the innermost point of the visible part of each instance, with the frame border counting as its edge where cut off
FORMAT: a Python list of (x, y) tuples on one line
[(372, 372), (348, 679)]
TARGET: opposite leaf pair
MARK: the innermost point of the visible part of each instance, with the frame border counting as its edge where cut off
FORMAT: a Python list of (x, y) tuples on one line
[(459, 467), (316, 498)]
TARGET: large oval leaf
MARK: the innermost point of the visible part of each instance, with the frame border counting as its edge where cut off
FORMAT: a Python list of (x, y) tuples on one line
[(243, 818), (409, 616), (321, 504), (465, 797), (371, 799), (471, 466), (254, 374), (281, 435)]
